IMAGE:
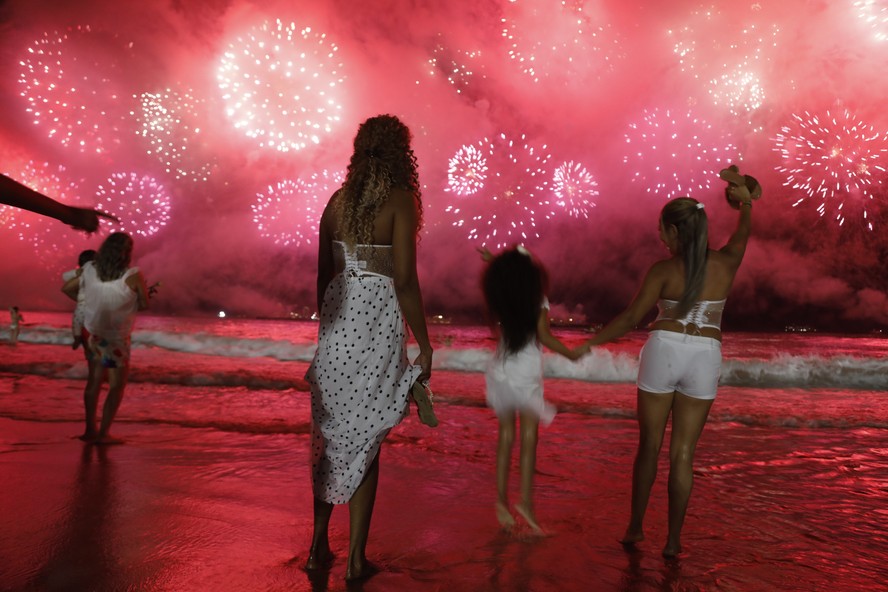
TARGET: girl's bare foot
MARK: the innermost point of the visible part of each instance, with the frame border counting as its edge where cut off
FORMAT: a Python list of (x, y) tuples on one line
[(108, 440), (671, 550), (503, 515), (88, 436), (526, 513)]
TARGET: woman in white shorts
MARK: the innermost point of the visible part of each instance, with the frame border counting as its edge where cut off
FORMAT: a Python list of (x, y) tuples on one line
[(680, 363)]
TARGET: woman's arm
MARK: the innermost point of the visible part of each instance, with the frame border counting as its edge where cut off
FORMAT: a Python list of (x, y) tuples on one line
[(71, 287), (544, 334), (20, 196), (137, 284), (404, 231), (644, 300), (736, 245)]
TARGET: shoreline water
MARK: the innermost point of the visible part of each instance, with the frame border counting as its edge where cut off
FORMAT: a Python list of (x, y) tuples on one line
[(211, 489)]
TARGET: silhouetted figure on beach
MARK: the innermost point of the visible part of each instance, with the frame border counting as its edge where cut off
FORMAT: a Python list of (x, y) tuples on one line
[(113, 293), (360, 377), (680, 363), (15, 324), (17, 195), (515, 285)]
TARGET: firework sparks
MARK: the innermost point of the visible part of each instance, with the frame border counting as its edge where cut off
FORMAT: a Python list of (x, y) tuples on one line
[(466, 171), (279, 83), (874, 13), (574, 187), (558, 36), (288, 212), (512, 199), (672, 153), (460, 67), (730, 59), (140, 202), (70, 83), (836, 160), (169, 124)]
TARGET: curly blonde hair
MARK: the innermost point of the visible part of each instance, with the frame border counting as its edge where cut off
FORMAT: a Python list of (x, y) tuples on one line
[(382, 160)]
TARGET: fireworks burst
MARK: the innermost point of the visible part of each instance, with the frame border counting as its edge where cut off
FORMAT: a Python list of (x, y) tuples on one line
[(511, 199), (70, 81), (574, 187), (48, 236), (559, 37), (836, 160), (875, 14), (280, 83), (169, 124), (289, 211), (730, 59), (466, 171), (672, 154), (140, 202)]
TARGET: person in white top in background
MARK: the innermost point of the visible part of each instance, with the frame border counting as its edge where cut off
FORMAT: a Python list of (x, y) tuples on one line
[(77, 317), (113, 293), (680, 363)]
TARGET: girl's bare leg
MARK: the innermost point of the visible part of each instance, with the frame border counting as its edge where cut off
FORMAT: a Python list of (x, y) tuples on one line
[(505, 440), (653, 412), (529, 426), (360, 510), (688, 418)]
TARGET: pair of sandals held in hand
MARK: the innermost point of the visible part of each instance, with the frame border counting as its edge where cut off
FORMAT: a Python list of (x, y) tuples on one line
[(732, 176), (423, 396)]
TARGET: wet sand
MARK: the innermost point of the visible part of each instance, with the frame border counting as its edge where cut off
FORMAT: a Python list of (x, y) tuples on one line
[(184, 508)]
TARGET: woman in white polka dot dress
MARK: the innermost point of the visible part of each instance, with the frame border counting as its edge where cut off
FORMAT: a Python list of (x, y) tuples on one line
[(367, 287)]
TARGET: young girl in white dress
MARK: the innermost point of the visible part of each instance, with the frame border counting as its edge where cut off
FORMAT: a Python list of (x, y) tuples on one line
[(514, 286)]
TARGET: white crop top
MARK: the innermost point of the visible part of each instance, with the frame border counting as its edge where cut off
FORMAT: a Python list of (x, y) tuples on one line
[(704, 314)]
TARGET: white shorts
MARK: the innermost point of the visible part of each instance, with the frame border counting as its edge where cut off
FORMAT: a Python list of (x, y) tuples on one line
[(688, 364)]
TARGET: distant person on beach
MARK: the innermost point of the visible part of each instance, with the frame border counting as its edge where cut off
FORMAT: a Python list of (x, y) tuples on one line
[(360, 377), (680, 363), (514, 285), (17, 195), (15, 321), (77, 317), (113, 293)]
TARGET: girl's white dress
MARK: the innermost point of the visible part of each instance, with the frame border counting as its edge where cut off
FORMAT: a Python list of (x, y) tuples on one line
[(515, 382), (360, 375)]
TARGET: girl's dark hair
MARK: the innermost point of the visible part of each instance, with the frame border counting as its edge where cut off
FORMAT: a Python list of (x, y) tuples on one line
[(85, 257), (114, 256), (514, 286), (689, 217)]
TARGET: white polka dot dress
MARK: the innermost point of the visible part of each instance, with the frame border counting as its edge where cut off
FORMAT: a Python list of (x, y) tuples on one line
[(360, 375)]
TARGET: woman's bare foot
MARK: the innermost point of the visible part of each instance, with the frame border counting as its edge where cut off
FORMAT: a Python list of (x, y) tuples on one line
[(360, 571), (526, 513), (631, 537), (88, 436), (671, 550), (504, 516), (319, 559)]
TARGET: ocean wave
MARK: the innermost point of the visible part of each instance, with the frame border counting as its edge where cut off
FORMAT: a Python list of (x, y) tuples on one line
[(600, 366)]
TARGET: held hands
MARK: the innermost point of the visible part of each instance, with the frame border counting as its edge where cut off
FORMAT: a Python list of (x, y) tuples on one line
[(580, 351)]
